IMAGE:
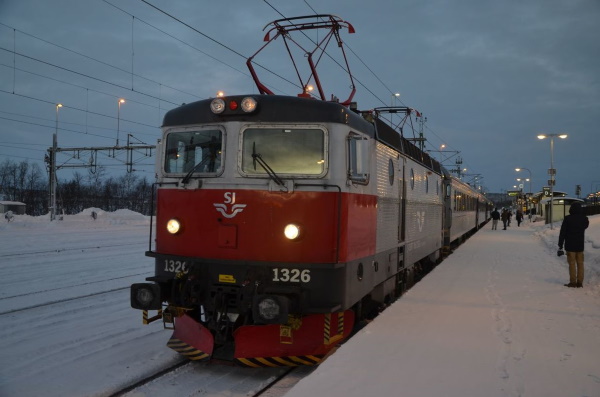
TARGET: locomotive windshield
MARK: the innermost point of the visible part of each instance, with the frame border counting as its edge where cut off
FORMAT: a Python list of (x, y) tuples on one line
[(289, 151), (194, 151)]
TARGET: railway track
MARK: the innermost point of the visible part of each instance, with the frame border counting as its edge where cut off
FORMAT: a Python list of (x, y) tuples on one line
[(215, 379), (77, 249)]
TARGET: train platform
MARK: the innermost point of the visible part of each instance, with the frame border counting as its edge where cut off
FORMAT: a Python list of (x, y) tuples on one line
[(493, 319)]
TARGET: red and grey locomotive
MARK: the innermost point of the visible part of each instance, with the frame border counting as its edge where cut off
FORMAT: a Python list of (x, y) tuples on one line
[(281, 220)]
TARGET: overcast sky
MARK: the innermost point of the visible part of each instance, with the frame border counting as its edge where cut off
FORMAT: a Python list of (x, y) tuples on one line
[(488, 75)]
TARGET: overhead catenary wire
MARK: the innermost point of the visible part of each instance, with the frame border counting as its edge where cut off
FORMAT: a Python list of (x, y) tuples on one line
[(214, 40), (228, 48), (87, 57)]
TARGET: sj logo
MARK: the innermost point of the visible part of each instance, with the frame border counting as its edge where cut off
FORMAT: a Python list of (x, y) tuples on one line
[(420, 220), (229, 200)]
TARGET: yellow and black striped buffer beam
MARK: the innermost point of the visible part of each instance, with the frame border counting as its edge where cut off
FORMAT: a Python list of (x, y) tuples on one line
[(289, 361), (189, 351)]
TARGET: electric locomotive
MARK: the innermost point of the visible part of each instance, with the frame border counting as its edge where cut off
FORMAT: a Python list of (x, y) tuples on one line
[(281, 220)]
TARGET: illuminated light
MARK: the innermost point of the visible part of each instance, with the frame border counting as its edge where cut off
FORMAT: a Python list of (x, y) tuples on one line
[(217, 105), (292, 231), (249, 104), (173, 226), (321, 162), (121, 100), (309, 88), (220, 94), (233, 105)]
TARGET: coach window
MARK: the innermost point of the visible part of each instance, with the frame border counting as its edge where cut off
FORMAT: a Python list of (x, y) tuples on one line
[(426, 183), (298, 151), (412, 179), (197, 150), (358, 159), (391, 171)]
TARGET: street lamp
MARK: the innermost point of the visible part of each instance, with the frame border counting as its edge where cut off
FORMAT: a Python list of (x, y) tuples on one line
[(528, 170), (551, 171), (53, 167), (121, 100)]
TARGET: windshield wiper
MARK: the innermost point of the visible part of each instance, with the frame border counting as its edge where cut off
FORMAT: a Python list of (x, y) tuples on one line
[(188, 176), (257, 158)]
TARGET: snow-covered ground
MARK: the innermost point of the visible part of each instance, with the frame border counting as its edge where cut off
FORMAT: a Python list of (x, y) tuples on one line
[(494, 319)]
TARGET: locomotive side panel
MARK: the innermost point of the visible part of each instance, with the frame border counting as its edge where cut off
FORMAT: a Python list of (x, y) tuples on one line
[(423, 213), (388, 179)]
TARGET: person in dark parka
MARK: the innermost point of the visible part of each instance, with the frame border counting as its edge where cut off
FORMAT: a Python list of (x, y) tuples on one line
[(572, 235), (495, 217)]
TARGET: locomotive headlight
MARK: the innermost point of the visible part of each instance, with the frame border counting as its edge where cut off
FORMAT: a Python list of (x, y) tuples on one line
[(145, 296), (270, 309), (292, 231), (173, 226), (248, 104), (217, 105)]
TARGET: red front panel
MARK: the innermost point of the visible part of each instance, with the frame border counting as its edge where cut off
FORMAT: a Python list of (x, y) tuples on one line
[(249, 225)]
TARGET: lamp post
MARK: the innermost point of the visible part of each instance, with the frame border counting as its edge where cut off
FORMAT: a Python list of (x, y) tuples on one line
[(528, 170), (121, 100), (551, 171), (53, 167)]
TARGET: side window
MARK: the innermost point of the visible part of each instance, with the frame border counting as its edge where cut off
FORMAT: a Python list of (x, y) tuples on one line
[(426, 183), (412, 179), (358, 159)]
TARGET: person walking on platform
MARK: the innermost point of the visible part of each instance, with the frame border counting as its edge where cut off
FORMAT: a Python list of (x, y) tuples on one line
[(572, 236), (504, 217), (519, 217), (495, 216)]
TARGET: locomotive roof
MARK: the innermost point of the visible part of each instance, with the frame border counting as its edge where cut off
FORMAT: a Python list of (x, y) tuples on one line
[(289, 109), (270, 108)]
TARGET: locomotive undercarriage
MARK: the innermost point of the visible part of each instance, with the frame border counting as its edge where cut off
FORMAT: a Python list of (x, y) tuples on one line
[(235, 311)]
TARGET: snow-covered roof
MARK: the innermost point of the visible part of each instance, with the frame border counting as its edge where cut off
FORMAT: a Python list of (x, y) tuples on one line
[(568, 199), (3, 202)]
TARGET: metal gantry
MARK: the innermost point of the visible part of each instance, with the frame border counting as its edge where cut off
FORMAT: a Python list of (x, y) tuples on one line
[(79, 152)]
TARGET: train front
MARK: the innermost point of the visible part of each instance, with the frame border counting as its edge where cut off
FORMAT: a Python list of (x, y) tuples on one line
[(248, 233)]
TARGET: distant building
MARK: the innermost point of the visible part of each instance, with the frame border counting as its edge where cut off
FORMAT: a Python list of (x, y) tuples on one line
[(16, 207), (499, 199)]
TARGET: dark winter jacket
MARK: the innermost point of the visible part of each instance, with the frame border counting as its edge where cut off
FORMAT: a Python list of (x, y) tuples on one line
[(495, 214), (573, 228)]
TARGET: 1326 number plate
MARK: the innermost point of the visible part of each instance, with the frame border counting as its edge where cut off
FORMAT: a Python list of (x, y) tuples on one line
[(173, 266), (291, 275)]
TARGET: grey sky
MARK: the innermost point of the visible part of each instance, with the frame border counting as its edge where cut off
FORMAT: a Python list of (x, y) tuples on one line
[(488, 75)]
